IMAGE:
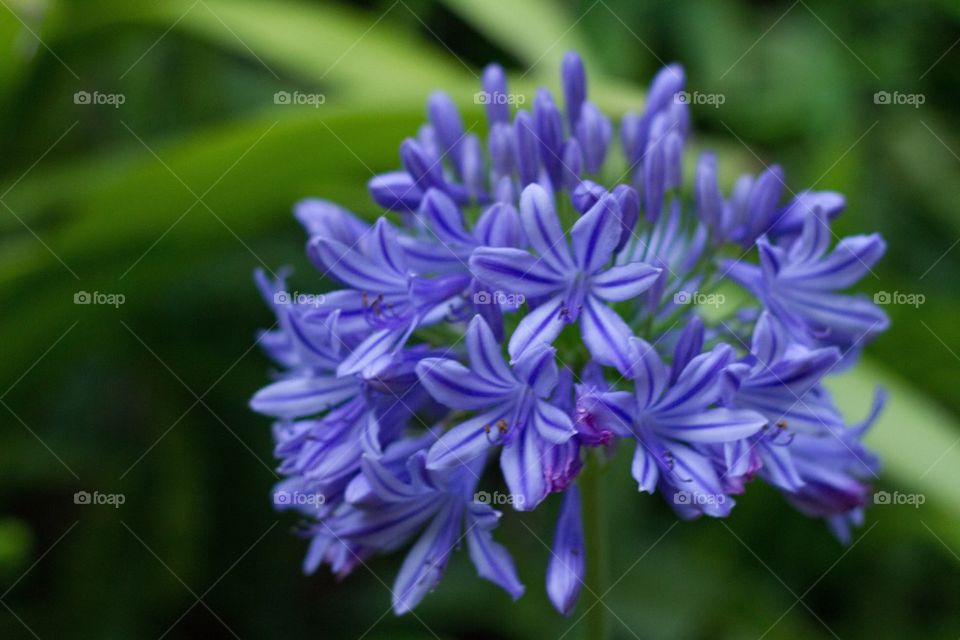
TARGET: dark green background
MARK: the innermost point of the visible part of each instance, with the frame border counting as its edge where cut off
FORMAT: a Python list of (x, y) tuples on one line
[(173, 199)]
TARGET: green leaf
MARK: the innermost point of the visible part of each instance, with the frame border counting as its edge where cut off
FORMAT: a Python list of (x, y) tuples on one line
[(537, 32)]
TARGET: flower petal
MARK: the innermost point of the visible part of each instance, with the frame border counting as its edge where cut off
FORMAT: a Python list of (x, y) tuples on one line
[(552, 423), (849, 262), (699, 383), (464, 442), (522, 467), (540, 326), (648, 371), (493, 561), (486, 359), (515, 271), (605, 334), (376, 346), (542, 226), (596, 234), (567, 558), (303, 396), (423, 567), (713, 425), (453, 385), (623, 282), (444, 218), (538, 368), (499, 226), (355, 269), (644, 468)]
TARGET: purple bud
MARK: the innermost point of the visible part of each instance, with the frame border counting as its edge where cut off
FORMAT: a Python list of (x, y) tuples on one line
[(574, 80), (528, 162), (629, 201), (502, 146), (706, 193), (491, 313), (763, 201), (446, 121), (425, 170), (395, 191), (474, 171), (632, 137), (585, 195), (664, 87), (567, 563), (495, 88), (572, 164), (549, 128), (689, 346), (593, 131), (427, 137), (653, 180), (499, 226), (504, 191), (673, 160)]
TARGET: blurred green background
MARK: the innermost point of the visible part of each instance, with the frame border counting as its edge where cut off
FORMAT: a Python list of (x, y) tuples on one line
[(173, 197)]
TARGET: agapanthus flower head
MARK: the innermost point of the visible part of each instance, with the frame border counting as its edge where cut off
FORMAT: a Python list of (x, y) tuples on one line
[(522, 310)]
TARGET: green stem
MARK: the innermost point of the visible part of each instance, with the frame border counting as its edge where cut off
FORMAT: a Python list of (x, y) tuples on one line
[(595, 542)]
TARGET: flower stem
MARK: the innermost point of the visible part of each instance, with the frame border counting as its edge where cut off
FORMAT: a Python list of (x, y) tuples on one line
[(595, 542)]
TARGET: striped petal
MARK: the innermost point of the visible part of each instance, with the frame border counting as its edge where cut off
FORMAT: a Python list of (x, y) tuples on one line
[(514, 271), (493, 561), (423, 567), (522, 466), (453, 385), (624, 281), (596, 234), (714, 425), (542, 226), (296, 397), (464, 442), (540, 326), (552, 423), (605, 334), (486, 358), (644, 468), (567, 558)]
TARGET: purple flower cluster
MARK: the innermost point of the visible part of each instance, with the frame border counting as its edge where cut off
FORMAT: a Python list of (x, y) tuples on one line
[(526, 302)]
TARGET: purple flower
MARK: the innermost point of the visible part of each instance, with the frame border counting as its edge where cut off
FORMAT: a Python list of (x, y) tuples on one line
[(672, 423), (568, 283), (797, 283), (513, 407), (385, 424), (406, 501), (567, 557)]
